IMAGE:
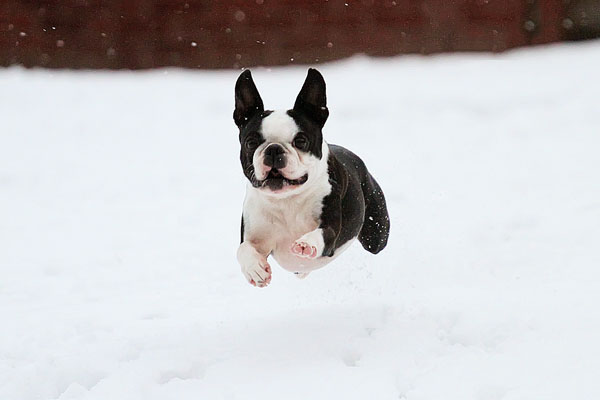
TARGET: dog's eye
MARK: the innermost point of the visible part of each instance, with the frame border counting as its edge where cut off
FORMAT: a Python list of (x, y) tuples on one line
[(301, 142), (251, 143)]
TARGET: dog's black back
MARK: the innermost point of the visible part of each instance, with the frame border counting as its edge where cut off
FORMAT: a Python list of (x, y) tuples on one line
[(357, 196)]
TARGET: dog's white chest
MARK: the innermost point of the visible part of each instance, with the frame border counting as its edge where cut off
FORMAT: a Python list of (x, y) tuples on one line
[(293, 223), (281, 222), (289, 223)]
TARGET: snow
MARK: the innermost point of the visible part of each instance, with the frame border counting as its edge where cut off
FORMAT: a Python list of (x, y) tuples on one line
[(120, 200)]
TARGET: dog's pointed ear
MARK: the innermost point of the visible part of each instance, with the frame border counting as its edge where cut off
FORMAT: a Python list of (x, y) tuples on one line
[(312, 99), (247, 99)]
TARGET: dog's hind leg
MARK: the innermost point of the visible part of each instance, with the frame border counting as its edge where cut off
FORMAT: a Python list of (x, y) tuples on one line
[(376, 226)]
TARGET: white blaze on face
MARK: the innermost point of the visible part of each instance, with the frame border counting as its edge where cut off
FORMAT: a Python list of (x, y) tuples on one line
[(279, 128)]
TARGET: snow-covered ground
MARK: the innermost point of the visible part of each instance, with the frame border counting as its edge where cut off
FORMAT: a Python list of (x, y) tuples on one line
[(120, 200)]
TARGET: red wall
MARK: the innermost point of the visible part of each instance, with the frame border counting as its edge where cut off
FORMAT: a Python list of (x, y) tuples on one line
[(233, 34)]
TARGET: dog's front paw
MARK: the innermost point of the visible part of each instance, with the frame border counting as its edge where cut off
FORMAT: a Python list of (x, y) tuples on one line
[(255, 267), (303, 249), (258, 273), (309, 245)]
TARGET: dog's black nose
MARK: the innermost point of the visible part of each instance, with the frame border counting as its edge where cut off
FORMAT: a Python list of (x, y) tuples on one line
[(275, 156)]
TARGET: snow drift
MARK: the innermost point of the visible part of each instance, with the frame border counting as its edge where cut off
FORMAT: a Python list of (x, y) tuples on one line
[(120, 200)]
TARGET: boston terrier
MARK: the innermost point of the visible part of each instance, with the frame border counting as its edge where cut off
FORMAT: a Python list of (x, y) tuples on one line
[(306, 200)]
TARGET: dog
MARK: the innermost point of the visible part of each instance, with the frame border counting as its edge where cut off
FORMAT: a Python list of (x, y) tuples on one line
[(306, 200)]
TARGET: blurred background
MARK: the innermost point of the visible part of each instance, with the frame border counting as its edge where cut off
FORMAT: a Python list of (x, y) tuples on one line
[(139, 34)]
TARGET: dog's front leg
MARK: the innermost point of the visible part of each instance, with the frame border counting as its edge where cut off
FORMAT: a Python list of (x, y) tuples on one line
[(322, 241), (317, 243), (253, 261)]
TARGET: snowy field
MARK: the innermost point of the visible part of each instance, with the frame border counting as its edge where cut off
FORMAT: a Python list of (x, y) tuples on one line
[(120, 201)]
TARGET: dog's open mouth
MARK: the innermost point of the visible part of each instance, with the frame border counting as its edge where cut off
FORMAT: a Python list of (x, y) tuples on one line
[(276, 181)]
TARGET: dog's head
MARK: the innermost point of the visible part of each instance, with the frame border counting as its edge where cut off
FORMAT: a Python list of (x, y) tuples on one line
[(281, 150)]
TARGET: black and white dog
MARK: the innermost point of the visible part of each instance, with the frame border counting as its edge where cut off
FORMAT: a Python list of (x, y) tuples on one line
[(306, 200)]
